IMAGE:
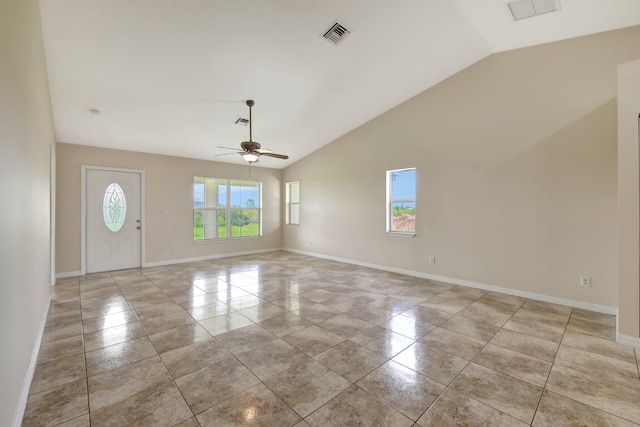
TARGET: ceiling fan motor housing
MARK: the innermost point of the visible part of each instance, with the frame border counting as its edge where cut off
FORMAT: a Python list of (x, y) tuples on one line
[(250, 145)]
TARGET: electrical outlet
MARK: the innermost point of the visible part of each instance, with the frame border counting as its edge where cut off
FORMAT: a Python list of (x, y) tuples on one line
[(585, 282), (164, 212), (310, 242), (174, 248), (432, 260)]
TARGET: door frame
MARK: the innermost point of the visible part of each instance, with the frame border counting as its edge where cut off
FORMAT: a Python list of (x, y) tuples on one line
[(83, 212)]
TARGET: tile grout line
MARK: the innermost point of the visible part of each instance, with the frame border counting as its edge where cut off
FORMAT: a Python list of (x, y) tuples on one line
[(84, 354), (555, 356), (173, 380), (449, 386)]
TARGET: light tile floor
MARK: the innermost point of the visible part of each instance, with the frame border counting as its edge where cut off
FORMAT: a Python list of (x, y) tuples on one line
[(281, 339)]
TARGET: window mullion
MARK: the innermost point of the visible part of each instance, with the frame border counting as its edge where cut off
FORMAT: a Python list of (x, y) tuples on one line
[(228, 220), (219, 213)]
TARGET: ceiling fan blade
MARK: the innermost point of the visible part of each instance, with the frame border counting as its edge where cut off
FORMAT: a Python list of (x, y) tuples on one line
[(227, 154), (277, 156), (228, 148), (262, 150)]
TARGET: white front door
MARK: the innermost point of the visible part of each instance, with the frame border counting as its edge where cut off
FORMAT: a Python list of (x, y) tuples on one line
[(113, 220)]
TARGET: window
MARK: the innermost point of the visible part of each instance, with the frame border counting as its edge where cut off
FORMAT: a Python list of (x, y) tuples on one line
[(293, 203), (226, 208), (401, 201)]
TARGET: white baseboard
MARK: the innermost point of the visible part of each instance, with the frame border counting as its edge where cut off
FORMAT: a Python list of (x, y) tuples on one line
[(208, 257), (68, 274), (530, 295), (28, 378), (621, 339), (627, 340), (178, 261)]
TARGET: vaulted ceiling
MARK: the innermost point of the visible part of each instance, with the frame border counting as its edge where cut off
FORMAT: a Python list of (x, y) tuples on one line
[(171, 77)]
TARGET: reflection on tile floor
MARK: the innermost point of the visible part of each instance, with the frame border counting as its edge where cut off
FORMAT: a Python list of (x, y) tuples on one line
[(282, 339)]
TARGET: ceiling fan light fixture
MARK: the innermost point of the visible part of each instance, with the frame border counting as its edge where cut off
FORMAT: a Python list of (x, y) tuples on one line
[(250, 157)]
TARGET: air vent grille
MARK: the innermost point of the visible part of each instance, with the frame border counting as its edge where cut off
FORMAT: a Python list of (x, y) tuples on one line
[(241, 121), (521, 9), (336, 32)]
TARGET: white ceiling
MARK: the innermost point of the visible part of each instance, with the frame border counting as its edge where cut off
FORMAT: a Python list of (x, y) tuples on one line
[(171, 77)]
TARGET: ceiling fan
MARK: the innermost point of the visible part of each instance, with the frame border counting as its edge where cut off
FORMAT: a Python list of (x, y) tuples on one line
[(251, 150)]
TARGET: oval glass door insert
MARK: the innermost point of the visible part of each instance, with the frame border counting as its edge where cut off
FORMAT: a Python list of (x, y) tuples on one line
[(114, 207)]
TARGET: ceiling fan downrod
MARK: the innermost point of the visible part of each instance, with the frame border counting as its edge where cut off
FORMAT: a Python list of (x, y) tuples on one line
[(250, 103)]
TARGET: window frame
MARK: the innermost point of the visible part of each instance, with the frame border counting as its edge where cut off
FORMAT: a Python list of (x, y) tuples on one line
[(390, 202), (227, 209), (289, 203)]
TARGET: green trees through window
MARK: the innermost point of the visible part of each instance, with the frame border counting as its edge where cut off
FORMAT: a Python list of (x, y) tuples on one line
[(215, 200)]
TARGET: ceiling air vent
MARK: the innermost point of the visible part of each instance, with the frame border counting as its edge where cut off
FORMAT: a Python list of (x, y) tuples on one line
[(241, 121), (521, 9), (336, 32)]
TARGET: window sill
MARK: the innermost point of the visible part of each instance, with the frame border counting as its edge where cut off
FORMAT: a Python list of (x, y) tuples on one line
[(225, 239), (292, 225), (405, 235)]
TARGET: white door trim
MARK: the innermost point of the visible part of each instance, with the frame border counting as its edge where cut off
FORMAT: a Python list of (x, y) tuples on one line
[(83, 213)]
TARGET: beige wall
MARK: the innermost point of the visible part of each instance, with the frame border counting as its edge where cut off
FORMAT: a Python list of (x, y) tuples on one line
[(26, 137), (516, 160), (628, 192), (169, 186)]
